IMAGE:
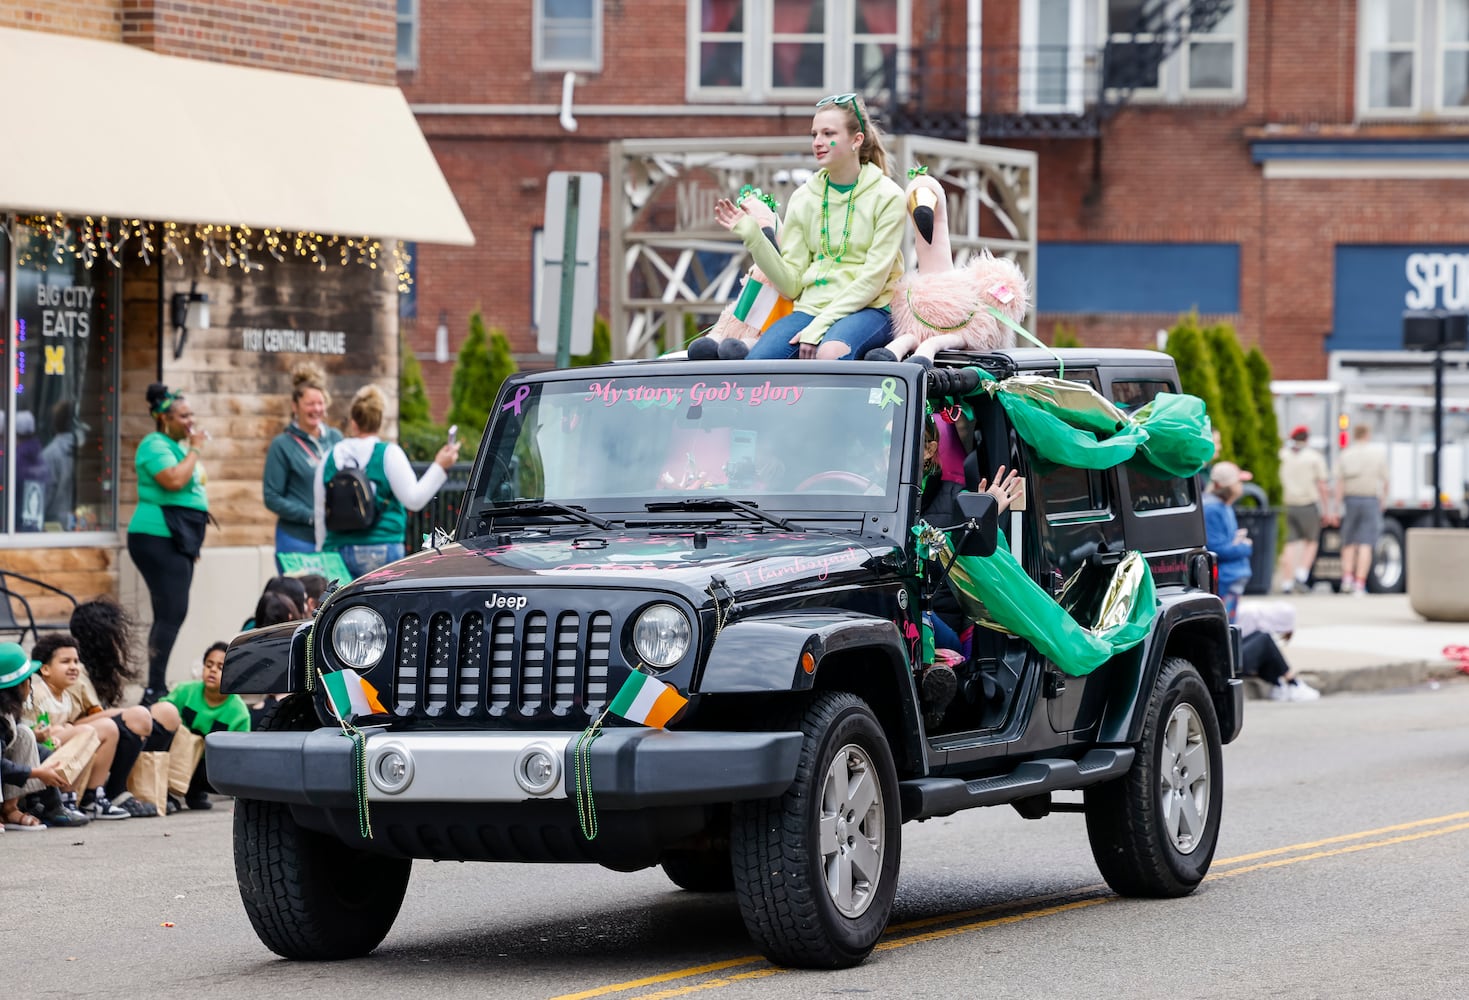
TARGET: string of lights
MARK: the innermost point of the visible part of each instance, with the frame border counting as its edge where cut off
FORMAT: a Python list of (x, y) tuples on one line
[(89, 239)]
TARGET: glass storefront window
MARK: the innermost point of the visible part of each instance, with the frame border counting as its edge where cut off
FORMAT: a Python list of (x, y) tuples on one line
[(62, 409)]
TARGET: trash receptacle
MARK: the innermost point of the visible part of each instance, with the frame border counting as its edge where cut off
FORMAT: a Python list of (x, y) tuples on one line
[(1263, 525)]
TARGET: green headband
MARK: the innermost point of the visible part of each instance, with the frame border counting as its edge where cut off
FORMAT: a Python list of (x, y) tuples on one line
[(167, 401)]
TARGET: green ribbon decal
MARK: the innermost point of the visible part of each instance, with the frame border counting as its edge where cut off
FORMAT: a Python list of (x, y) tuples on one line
[(889, 393)]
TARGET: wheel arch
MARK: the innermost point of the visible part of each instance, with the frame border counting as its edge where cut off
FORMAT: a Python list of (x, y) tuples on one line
[(1193, 626)]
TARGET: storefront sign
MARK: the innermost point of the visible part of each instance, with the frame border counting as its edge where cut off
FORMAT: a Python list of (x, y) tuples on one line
[(1375, 284)]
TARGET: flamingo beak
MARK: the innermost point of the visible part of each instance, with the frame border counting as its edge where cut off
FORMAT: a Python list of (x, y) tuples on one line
[(921, 204)]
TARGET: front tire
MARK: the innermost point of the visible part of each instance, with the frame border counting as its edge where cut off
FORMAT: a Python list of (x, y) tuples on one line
[(1154, 830), (307, 895), (816, 870)]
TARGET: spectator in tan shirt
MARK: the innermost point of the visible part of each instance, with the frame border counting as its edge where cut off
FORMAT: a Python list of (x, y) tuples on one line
[(1307, 497), (1361, 489)]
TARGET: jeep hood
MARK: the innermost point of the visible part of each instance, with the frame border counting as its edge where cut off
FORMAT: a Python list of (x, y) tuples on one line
[(683, 559)]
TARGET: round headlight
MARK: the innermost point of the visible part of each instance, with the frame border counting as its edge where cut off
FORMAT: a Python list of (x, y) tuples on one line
[(360, 637), (661, 635)]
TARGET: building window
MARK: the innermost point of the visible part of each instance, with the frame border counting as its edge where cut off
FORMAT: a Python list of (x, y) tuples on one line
[(408, 34), (567, 34), (63, 407), (1413, 57), (793, 49), (1159, 50)]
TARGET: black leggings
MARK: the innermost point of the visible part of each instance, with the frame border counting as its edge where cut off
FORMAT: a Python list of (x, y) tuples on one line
[(169, 574)]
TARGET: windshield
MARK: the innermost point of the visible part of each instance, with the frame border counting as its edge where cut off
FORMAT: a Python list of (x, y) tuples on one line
[(778, 441)]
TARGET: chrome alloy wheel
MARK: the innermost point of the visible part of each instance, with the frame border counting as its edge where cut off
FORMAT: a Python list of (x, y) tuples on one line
[(850, 830), (1184, 775)]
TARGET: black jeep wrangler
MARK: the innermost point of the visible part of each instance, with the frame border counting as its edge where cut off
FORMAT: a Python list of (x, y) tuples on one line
[(743, 532)]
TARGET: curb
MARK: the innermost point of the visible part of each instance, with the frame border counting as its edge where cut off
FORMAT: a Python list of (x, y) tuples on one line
[(1384, 677)]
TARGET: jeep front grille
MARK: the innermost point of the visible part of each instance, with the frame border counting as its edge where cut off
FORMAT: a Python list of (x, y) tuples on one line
[(523, 664)]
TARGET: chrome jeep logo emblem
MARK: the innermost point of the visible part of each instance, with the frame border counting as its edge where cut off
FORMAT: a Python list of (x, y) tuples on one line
[(507, 602)]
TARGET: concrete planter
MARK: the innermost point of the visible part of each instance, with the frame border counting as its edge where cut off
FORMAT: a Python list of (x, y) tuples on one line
[(1438, 573)]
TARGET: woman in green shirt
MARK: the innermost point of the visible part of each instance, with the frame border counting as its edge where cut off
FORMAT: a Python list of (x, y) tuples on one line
[(170, 475)]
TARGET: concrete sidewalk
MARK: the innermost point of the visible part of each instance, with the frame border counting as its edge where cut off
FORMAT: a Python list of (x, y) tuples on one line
[(1367, 643)]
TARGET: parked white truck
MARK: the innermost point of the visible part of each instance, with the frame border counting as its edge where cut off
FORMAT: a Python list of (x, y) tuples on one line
[(1391, 392)]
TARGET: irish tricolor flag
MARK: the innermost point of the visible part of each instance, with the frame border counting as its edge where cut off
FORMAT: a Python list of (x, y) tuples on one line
[(351, 695), (646, 701), (760, 305)]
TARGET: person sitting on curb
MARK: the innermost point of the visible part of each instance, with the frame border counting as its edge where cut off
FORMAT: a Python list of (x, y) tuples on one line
[(24, 778), (206, 709), (1260, 654)]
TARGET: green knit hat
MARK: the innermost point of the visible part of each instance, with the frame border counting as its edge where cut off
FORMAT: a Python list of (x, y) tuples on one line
[(15, 665)]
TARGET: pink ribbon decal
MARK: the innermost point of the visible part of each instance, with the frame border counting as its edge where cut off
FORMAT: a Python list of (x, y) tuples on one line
[(514, 404)]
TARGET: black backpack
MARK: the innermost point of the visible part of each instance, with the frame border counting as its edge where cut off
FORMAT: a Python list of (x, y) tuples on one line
[(351, 503)]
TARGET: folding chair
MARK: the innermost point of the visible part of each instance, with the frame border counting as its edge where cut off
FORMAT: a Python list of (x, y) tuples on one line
[(16, 614)]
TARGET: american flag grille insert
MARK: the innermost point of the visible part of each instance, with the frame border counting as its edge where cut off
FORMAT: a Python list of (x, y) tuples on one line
[(405, 673), (502, 663)]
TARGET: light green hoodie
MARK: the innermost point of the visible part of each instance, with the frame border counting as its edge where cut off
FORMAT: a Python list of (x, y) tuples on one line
[(867, 272)]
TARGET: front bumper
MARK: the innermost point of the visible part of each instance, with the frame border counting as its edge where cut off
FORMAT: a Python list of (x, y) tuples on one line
[(629, 768)]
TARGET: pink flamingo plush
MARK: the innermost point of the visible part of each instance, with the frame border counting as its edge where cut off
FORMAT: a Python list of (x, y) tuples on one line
[(942, 307)]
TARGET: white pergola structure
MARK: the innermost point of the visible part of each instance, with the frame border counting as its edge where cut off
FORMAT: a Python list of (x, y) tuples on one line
[(674, 268)]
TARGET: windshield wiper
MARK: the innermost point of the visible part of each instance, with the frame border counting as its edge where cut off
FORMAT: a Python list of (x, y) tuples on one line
[(719, 503), (533, 507)]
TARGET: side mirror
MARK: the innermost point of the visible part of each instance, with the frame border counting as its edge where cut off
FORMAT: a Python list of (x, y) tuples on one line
[(980, 535)]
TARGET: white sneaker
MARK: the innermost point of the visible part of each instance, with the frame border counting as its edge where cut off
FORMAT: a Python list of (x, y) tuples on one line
[(1301, 691), (1280, 692)]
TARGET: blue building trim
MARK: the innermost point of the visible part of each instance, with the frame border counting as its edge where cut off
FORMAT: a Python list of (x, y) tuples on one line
[(1359, 149), (1375, 284), (1138, 277)]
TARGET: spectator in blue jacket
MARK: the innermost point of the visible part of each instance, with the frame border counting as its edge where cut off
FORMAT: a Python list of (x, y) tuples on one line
[(295, 454), (1229, 542)]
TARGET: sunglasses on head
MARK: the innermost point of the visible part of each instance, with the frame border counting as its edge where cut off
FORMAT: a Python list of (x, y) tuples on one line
[(851, 101)]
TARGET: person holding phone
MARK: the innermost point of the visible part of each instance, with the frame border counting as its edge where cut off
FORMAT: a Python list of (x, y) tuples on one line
[(397, 490)]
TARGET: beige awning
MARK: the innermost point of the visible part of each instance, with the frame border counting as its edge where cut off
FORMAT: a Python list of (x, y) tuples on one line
[(103, 128)]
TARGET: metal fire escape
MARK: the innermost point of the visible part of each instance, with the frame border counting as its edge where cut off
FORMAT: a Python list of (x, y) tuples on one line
[(1037, 92)]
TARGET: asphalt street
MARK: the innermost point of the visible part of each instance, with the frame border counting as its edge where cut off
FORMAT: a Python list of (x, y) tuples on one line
[(1339, 874)]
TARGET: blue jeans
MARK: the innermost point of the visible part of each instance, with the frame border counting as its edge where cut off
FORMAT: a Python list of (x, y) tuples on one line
[(290, 543), (861, 332), (362, 559)]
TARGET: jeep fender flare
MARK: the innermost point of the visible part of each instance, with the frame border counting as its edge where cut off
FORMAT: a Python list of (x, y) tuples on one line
[(1193, 625), (269, 660), (863, 654)]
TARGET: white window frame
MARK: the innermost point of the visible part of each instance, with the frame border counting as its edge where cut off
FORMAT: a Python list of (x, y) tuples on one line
[(1173, 85), (758, 63), (1076, 55), (411, 20), (1365, 49), (539, 61), (1429, 49)]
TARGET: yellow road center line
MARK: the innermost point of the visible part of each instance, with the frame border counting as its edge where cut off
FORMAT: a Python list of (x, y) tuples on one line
[(1344, 837), (895, 936)]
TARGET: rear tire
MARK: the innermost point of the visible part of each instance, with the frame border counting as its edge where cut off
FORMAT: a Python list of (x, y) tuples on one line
[(309, 896), (816, 870), (1389, 572), (1153, 831)]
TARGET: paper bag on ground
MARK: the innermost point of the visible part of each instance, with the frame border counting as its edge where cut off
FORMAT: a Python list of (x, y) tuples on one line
[(148, 780), (183, 757), (73, 756)]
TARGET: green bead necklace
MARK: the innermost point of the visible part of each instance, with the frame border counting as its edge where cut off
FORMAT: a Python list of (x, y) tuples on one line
[(826, 229)]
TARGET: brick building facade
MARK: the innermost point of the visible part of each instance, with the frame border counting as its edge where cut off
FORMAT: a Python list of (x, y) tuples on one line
[(1252, 159), (223, 161)]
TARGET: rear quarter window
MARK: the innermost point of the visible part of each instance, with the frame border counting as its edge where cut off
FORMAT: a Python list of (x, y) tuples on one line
[(1149, 488)]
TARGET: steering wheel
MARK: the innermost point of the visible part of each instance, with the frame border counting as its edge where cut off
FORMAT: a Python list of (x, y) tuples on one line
[(861, 483)]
